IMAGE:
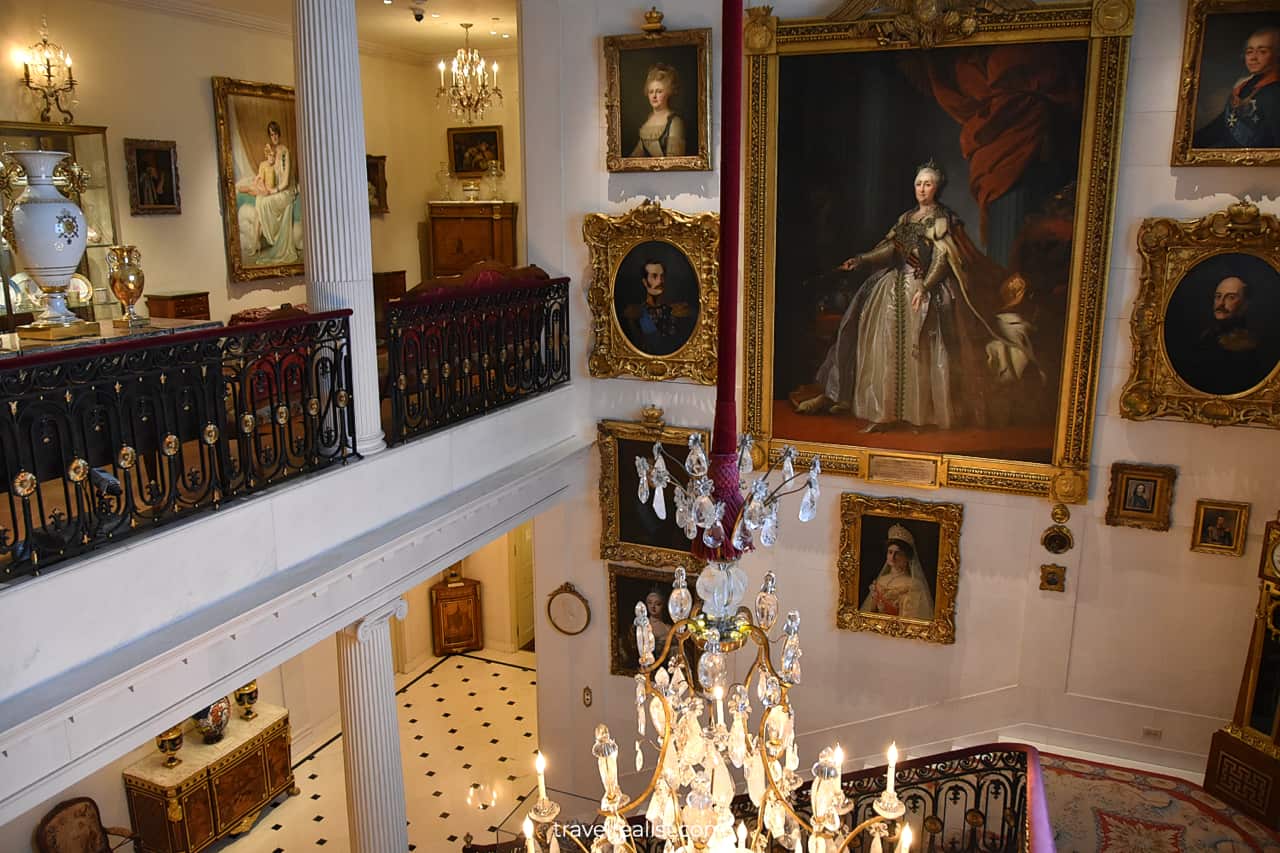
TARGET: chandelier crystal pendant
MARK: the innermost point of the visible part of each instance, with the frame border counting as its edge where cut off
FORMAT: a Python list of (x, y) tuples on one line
[(472, 86), (46, 70)]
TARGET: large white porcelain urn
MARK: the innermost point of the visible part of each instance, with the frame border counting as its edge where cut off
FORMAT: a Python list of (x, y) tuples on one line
[(49, 234)]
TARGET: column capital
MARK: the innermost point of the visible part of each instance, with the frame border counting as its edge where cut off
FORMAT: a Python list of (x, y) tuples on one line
[(363, 627)]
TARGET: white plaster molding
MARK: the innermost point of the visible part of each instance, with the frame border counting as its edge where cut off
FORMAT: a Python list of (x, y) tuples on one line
[(132, 693), (363, 629)]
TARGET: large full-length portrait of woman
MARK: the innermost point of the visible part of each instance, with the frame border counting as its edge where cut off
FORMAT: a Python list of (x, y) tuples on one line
[(259, 174), (929, 227)]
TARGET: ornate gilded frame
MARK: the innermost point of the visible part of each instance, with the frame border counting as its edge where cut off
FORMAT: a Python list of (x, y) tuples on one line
[(1160, 515), (489, 132), (609, 239), (131, 149), (375, 166), (1189, 91), (615, 159), (1239, 530), (570, 592), (1170, 248), (223, 89), (655, 578), (948, 517), (1269, 560), (650, 429), (1106, 25)]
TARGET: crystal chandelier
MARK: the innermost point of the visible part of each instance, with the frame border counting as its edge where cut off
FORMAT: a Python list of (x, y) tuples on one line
[(46, 70), (472, 85), (687, 801)]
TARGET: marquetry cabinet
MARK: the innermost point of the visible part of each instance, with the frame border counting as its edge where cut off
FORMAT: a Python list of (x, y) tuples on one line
[(459, 233), (218, 790), (455, 616)]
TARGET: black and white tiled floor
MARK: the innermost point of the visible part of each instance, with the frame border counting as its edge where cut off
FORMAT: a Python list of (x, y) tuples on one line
[(468, 736)]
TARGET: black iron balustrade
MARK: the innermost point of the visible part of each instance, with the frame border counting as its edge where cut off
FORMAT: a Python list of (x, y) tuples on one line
[(456, 354), (101, 442), (978, 800)]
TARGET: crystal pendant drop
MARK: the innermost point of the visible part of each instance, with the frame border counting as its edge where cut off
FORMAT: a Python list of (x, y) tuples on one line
[(680, 602), (741, 536), (791, 650), (660, 505), (808, 504), (788, 463), (769, 527), (640, 694), (712, 672), (704, 507), (745, 464), (642, 473), (767, 603), (714, 536), (681, 500), (755, 512), (644, 635), (639, 758), (660, 476), (696, 462)]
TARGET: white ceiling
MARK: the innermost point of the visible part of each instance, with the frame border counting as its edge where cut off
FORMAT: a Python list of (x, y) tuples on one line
[(393, 26)]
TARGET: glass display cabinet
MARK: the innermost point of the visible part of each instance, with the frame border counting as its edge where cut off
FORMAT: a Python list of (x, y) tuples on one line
[(84, 178)]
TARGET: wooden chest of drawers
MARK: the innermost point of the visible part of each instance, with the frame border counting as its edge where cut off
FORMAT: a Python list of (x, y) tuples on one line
[(218, 789), (190, 305), (462, 232), (455, 617)]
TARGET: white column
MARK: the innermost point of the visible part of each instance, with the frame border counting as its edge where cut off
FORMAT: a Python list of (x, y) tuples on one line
[(335, 197), (371, 733)]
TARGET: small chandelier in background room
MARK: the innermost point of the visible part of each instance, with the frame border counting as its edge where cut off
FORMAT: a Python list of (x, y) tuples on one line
[(472, 86), (46, 69)]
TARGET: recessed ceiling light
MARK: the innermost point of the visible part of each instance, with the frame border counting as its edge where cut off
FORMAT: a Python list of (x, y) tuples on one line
[(435, 14), (493, 32), (506, 35), (386, 2)]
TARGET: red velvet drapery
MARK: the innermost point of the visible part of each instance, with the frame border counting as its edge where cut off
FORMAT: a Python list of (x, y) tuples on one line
[(1007, 100)]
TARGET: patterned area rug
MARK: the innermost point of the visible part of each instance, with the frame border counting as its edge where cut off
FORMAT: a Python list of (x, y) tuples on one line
[(1097, 808)]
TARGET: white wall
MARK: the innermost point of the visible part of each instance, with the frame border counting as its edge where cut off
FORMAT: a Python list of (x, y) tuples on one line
[(1148, 634), (489, 566), (146, 74)]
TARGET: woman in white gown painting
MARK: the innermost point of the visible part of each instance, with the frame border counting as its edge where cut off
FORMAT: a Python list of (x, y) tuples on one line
[(901, 588), (910, 346), (267, 234)]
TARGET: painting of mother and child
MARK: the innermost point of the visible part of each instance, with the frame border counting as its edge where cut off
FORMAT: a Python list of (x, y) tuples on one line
[(924, 247), (261, 176)]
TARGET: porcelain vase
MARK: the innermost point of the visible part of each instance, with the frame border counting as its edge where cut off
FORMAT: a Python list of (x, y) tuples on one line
[(49, 234), (212, 721)]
